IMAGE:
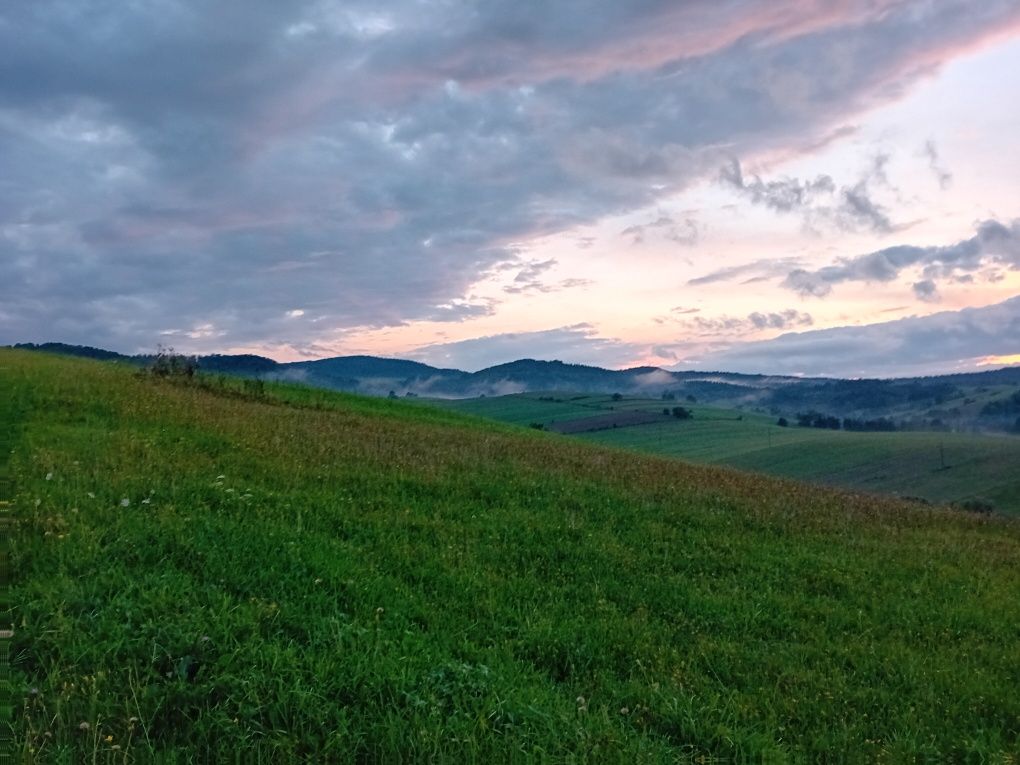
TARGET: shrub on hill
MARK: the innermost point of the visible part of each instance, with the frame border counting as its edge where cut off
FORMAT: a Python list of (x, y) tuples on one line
[(169, 363), (977, 505)]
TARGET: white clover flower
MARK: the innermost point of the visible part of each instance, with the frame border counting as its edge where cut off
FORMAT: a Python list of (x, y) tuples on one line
[(49, 476), (125, 502)]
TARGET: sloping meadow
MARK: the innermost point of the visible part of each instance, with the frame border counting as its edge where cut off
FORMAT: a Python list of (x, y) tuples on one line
[(206, 568)]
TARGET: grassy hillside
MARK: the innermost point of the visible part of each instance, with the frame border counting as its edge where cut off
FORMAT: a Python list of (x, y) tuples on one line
[(300, 575), (938, 467)]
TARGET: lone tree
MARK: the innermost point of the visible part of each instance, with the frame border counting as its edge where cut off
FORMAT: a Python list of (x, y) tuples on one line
[(682, 413)]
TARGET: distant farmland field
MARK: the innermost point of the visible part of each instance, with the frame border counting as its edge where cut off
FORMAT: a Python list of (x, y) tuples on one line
[(937, 467)]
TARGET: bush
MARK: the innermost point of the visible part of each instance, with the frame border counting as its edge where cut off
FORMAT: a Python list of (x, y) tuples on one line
[(169, 363), (977, 505)]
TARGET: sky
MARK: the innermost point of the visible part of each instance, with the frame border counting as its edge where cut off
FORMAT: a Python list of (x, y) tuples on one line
[(811, 187)]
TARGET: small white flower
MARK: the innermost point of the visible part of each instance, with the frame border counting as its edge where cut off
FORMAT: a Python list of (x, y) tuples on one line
[(91, 495), (38, 502), (125, 502), (146, 501), (220, 477), (49, 476)]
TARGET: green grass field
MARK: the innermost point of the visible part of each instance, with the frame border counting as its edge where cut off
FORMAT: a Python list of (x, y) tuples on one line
[(938, 467), (207, 573)]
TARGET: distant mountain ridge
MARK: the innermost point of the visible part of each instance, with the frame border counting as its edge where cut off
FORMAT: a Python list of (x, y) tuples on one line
[(372, 375), (376, 375)]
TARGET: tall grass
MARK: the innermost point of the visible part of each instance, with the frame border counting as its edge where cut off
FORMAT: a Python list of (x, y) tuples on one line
[(201, 575)]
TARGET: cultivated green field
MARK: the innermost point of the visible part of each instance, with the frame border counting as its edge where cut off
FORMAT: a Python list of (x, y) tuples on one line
[(207, 572), (938, 467)]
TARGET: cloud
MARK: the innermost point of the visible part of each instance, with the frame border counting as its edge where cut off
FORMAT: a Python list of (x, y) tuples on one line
[(944, 177), (753, 322), (859, 210), (783, 320), (926, 290), (528, 279), (783, 195), (765, 268), (994, 243), (675, 314), (579, 344), (685, 232), (848, 208), (462, 310), (934, 344), (172, 165)]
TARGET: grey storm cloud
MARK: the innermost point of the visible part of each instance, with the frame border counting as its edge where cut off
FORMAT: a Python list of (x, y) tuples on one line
[(251, 171), (993, 244), (917, 345)]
